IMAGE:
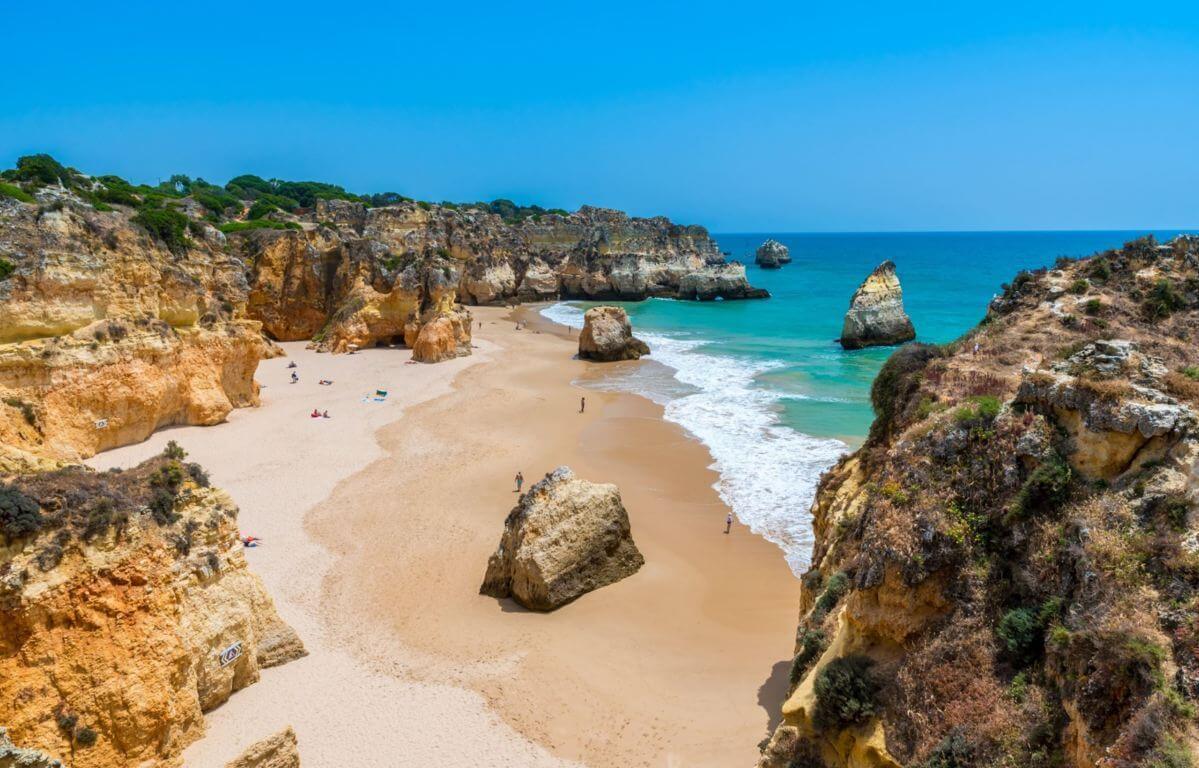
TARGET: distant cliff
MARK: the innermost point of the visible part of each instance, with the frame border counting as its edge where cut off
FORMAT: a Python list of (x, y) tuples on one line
[(1007, 571), (126, 612), (127, 308)]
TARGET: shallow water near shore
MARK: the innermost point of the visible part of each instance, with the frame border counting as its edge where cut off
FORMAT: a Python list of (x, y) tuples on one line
[(765, 385)]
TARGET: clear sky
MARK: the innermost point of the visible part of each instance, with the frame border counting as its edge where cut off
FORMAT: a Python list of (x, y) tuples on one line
[(787, 116)]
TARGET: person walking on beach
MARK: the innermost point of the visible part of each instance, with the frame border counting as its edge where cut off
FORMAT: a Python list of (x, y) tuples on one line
[(520, 480), (582, 404), (728, 522)]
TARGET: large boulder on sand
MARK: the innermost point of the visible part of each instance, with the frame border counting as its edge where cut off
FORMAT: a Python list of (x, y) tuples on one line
[(278, 751), (876, 317), (772, 254), (566, 537), (607, 336)]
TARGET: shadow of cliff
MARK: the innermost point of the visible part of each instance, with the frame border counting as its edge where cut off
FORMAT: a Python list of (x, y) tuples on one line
[(773, 693)]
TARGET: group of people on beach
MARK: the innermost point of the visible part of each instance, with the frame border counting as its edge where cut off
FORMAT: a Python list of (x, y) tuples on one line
[(295, 379)]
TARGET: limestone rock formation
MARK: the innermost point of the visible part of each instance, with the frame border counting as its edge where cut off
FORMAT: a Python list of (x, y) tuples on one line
[(1003, 574), (772, 254), (876, 317), (128, 611), (106, 335), (565, 538), (721, 281), (12, 756), (278, 751), (607, 336)]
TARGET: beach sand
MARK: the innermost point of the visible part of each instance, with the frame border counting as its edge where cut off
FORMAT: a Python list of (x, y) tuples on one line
[(378, 528)]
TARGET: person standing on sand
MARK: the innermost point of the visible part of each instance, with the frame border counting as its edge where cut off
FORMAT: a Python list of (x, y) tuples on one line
[(728, 522), (520, 480), (582, 404)]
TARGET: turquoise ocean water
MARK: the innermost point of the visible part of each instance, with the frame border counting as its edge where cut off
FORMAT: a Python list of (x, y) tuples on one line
[(765, 385)]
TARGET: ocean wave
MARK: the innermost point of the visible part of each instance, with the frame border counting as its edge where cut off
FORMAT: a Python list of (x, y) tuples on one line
[(768, 471)]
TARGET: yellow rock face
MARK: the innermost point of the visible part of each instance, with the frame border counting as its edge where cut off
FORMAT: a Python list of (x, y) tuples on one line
[(105, 335), (126, 635)]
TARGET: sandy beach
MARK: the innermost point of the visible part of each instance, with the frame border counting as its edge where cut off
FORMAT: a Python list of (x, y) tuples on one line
[(378, 523)]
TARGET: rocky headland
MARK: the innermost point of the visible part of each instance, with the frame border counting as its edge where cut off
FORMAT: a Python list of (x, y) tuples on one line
[(1007, 571), (124, 309), (607, 336), (126, 611), (565, 538), (876, 316)]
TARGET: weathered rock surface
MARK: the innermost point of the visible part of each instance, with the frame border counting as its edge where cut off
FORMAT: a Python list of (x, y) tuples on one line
[(607, 336), (565, 538), (126, 605), (772, 254), (722, 281), (1027, 504), (278, 751), (105, 335), (876, 316), (12, 756)]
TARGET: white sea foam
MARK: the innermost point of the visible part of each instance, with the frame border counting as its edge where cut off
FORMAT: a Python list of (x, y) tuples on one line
[(768, 471)]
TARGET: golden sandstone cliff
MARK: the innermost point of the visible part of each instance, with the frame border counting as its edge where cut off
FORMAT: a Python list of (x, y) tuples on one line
[(126, 308), (126, 611), (1007, 572)]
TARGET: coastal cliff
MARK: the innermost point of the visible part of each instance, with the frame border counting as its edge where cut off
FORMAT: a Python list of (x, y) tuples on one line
[(1007, 571), (126, 611), (124, 309)]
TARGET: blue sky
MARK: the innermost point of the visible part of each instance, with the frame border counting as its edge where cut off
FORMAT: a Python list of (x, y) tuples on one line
[(742, 117)]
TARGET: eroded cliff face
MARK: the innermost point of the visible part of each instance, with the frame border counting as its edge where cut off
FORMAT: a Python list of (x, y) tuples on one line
[(1007, 571), (126, 612), (105, 335)]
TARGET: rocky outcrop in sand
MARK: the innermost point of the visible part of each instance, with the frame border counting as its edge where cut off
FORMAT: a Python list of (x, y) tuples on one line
[(1003, 574), (772, 254), (876, 317), (607, 336), (127, 611), (565, 538), (278, 751)]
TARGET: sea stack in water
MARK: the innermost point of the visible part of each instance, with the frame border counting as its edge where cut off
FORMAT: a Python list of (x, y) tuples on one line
[(566, 537), (607, 336), (772, 254), (876, 317)]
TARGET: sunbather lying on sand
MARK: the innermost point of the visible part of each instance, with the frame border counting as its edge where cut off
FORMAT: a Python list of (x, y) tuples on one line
[(325, 382)]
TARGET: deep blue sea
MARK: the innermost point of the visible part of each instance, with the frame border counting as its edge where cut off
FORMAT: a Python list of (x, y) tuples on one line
[(765, 385)]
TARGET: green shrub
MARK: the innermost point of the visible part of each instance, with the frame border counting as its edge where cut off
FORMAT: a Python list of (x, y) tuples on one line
[(260, 208), (167, 225), (16, 193), (834, 590), (41, 170), (811, 644), (86, 737), (6, 268), (1099, 269), (174, 451), (979, 413), (954, 751), (1093, 307), (1045, 489), (1171, 753), (1020, 633), (845, 693), (20, 515), (1163, 300), (1191, 372), (1079, 286), (1017, 690), (897, 382)]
